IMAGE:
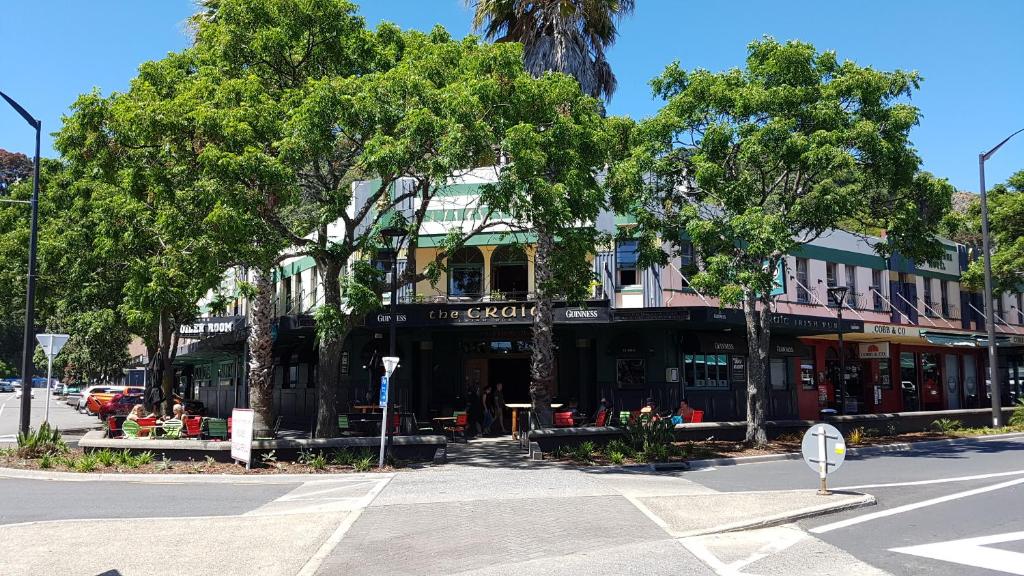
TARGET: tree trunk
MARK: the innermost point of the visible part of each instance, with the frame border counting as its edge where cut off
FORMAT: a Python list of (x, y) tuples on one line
[(261, 358), (331, 343), (758, 337), (164, 365), (542, 358)]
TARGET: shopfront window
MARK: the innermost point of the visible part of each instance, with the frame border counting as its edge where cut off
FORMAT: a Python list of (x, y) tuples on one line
[(931, 383), (781, 373), (884, 378), (807, 373), (706, 371), (908, 381), (971, 377), (226, 374)]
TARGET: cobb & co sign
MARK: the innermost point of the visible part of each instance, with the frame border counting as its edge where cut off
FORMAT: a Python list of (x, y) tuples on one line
[(874, 350), (892, 330), (511, 313)]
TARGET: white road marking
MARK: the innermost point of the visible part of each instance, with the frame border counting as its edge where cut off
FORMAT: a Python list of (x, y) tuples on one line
[(908, 507), (934, 481), (315, 561), (973, 552)]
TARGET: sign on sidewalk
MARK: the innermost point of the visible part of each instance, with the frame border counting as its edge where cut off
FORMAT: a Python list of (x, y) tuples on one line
[(241, 435), (824, 451), (383, 391)]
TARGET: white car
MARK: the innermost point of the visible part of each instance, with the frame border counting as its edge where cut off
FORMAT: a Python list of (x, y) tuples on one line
[(17, 391)]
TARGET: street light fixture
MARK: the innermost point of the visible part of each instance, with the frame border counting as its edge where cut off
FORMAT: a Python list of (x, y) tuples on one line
[(838, 295), (394, 235), (990, 324), (30, 296)]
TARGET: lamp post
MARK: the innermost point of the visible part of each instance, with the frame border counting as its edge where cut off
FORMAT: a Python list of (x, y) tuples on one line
[(30, 292), (394, 235), (838, 295), (990, 324)]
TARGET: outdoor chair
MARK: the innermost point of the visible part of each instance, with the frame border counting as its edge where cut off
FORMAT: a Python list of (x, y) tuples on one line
[(459, 426), (343, 425), (113, 430), (602, 418), (193, 426), (172, 429), (131, 429), (698, 416), (216, 428), (676, 420), (147, 426), (563, 420), (624, 417)]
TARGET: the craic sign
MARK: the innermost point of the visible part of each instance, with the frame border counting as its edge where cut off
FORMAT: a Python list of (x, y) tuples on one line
[(484, 313)]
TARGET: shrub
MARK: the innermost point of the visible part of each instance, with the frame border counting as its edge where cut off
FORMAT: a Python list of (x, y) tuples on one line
[(342, 458), (317, 463), (1017, 418), (106, 457), (86, 463), (583, 452), (619, 446), (616, 457), (856, 436), (641, 434), (46, 461), (363, 464), (144, 458), (657, 452), (165, 464), (45, 440), (947, 425)]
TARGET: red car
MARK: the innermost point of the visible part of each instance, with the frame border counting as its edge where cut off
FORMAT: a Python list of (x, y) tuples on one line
[(121, 403)]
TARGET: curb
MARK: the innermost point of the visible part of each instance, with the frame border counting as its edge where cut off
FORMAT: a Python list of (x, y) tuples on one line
[(783, 518), (18, 474), (851, 453)]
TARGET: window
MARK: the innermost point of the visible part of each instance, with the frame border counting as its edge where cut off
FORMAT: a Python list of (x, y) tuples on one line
[(830, 281), (226, 374), (999, 306), (944, 296), (779, 371), (851, 283), (312, 287), (1020, 308), (286, 298), (928, 297), (466, 273), (876, 290), (706, 371), (509, 273), (802, 295), (807, 373), (298, 293), (687, 262), (625, 263)]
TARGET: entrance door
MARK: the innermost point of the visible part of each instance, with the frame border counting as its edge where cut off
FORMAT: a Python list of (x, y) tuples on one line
[(931, 382), (908, 382), (952, 382), (514, 376)]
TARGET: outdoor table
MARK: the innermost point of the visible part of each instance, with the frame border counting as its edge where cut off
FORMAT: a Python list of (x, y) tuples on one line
[(366, 408), (515, 415), (440, 421)]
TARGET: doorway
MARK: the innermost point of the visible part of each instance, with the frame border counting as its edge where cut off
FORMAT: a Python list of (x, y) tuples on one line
[(514, 376), (952, 382)]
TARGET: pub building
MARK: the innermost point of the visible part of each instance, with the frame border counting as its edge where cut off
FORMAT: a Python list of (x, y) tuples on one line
[(914, 340)]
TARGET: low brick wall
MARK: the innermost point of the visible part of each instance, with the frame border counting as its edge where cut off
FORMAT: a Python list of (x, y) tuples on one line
[(549, 439), (429, 448), (890, 423)]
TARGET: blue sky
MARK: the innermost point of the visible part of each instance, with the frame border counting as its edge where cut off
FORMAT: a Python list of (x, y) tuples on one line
[(970, 54)]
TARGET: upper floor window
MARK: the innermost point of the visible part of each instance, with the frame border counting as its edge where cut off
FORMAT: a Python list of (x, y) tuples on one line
[(802, 295), (625, 263), (687, 262), (466, 272), (929, 305), (877, 289), (851, 283), (831, 281), (944, 296)]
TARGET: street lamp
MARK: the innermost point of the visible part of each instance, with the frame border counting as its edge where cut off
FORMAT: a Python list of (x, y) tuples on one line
[(990, 324), (838, 295), (30, 296), (394, 236)]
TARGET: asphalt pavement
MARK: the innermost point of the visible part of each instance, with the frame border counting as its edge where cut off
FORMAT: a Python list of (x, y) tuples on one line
[(62, 416)]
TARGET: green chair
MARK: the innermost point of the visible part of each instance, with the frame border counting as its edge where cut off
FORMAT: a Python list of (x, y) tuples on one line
[(624, 417), (131, 429), (172, 429), (343, 425), (216, 428)]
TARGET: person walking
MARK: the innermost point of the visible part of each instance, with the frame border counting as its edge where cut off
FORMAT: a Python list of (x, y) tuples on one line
[(498, 401)]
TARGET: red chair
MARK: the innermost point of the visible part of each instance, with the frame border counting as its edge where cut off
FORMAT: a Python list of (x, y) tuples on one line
[(146, 425), (193, 426), (459, 427), (563, 420), (113, 429), (229, 427), (396, 423), (698, 416), (602, 418)]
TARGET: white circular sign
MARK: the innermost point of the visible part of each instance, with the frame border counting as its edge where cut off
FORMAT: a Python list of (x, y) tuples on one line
[(832, 452)]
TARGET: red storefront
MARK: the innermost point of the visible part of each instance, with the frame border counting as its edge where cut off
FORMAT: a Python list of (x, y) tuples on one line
[(894, 368)]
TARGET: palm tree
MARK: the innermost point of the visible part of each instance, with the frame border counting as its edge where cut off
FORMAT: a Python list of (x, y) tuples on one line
[(571, 37), (568, 36)]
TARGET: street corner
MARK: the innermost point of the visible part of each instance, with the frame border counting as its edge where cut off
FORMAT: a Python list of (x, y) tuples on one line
[(708, 513)]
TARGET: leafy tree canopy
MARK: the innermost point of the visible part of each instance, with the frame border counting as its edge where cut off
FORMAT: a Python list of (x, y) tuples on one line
[(1006, 225)]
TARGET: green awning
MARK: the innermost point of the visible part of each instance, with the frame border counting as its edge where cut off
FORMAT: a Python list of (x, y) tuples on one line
[(945, 339)]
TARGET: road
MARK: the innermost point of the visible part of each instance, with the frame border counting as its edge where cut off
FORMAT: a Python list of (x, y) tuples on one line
[(929, 503), (488, 515), (61, 415)]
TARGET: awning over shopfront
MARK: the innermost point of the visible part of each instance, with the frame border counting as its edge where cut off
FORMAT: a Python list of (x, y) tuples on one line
[(949, 339), (714, 343), (788, 347)]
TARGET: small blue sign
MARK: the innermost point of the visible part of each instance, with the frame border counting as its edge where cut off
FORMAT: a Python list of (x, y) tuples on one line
[(383, 391)]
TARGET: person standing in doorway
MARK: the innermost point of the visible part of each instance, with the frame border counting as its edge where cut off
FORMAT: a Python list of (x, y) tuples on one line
[(488, 406), (498, 401)]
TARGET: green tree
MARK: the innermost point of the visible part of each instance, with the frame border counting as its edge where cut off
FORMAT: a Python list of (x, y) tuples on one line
[(1006, 226), (751, 164), (570, 37)]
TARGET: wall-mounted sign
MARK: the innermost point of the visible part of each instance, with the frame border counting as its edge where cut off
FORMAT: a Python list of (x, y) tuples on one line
[(874, 350), (204, 327), (892, 330), (672, 374), (738, 369), (484, 313)]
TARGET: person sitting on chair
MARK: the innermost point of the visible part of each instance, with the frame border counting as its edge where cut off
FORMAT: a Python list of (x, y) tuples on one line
[(685, 411)]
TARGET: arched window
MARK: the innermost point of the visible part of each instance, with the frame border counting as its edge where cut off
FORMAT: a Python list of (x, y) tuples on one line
[(466, 272), (509, 273)]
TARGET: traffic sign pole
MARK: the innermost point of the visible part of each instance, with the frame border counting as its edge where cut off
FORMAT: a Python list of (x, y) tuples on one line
[(49, 374), (824, 451), (384, 418), (52, 343), (822, 463)]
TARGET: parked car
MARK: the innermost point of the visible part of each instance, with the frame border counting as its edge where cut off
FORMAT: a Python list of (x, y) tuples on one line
[(6, 387), (121, 403), (82, 402), (97, 399), (17, 391), (73, 396)]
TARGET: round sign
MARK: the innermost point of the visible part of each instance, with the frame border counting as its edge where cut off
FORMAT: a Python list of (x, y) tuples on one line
[(832, 452)]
